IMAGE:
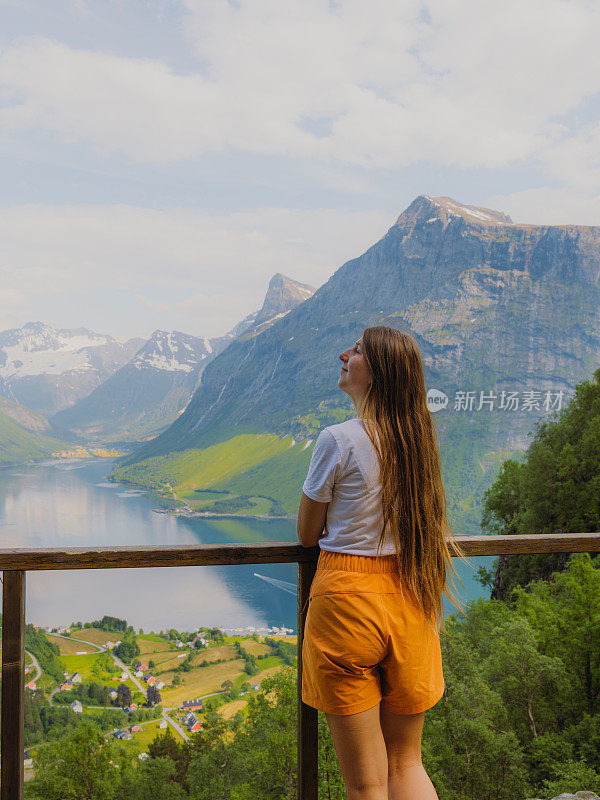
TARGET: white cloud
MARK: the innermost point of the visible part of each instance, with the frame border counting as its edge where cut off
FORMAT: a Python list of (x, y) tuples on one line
[(549, 206), (479, 85), (209, 270)]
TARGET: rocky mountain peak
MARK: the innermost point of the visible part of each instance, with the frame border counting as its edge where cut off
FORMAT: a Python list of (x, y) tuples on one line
[(282, 295), (425, 210)]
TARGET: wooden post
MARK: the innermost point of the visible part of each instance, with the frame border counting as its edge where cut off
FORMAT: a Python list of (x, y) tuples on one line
[(13, 673), (308, 720)]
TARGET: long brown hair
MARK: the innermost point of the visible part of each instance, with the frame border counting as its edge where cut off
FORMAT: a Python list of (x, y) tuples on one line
[(412, 494)]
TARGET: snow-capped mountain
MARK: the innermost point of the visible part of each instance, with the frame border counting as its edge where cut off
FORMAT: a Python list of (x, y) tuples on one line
[(149, 392), (48, 369), (144, 395)]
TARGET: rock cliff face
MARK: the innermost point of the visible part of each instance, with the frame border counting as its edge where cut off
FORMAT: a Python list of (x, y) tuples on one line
[(494, 306)]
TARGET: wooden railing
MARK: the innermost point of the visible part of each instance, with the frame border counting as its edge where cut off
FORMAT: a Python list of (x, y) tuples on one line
[(16, 563)]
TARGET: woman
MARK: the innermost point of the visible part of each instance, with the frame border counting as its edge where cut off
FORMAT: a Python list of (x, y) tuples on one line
[(374, 502)]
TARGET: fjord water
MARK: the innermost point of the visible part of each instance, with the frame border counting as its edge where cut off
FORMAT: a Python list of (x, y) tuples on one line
[(69, 503)]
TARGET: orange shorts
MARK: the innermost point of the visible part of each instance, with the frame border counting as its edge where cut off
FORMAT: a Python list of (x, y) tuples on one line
[(364, 643)]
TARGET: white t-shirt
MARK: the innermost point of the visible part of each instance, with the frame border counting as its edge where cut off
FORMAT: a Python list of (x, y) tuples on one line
[(344, 472)]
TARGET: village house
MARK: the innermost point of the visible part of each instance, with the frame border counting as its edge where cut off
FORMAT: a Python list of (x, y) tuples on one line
[(66, 686), (150, 679), (123, 735), (178, 643), (135, 729), (76, 677), (123, 677), (31, 685), (191, 705), (163, 724), (160, 684), (77, 707), (138, 673), (192, 723), (113, 695)]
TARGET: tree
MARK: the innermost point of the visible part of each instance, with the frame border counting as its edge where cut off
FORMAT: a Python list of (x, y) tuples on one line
[(152, 696), (216, 634), (79, 765), (180, 753), (124, 695), (556, 488), (518, 671), (566, 614), (128, 649), (155, 779), (469, 748)]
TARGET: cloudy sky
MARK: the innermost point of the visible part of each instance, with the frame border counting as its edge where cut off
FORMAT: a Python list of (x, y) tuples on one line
[(161, 160)]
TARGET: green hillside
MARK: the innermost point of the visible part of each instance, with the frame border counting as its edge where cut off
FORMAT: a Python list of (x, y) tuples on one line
[(17, 444), (247, 474)]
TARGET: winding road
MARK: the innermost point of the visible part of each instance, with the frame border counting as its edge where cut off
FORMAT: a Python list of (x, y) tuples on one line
[(36, 664)]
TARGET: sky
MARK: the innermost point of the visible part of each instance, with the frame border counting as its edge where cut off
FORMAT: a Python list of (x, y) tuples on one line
[(161, 160)]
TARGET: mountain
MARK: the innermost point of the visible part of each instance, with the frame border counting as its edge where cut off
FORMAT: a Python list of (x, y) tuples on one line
[(151, 390), (144, 395), (48, 369), (282, 295), (494, 306)]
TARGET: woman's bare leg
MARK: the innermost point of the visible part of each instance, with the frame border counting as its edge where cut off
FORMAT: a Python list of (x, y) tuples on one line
[(407, 778), (361, 752)]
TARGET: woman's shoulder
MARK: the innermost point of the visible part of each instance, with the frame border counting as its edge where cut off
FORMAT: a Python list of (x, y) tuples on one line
[(349, 431)]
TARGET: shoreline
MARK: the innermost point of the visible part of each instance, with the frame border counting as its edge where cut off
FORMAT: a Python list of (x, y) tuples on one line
[(188, 512)]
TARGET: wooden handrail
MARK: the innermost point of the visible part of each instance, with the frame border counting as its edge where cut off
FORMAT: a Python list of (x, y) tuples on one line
[(174, 555), (14, 563)]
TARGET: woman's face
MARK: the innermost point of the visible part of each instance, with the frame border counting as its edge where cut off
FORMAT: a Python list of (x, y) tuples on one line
[(355, 375)]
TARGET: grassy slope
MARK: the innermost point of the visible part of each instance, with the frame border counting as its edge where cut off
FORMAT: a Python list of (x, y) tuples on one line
[(18, 445), (265, 467)]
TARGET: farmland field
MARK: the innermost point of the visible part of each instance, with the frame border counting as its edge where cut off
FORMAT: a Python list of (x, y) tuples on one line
[(96, 636), (69, 647), (213, 653), (149, 644), (227, 710), (201, 681), (254, 648)]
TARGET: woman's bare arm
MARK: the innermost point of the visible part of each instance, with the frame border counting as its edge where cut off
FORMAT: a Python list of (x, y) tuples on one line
[(312, 516)]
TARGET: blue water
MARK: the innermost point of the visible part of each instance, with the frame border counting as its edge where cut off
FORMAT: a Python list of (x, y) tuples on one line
[(68, 503)]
